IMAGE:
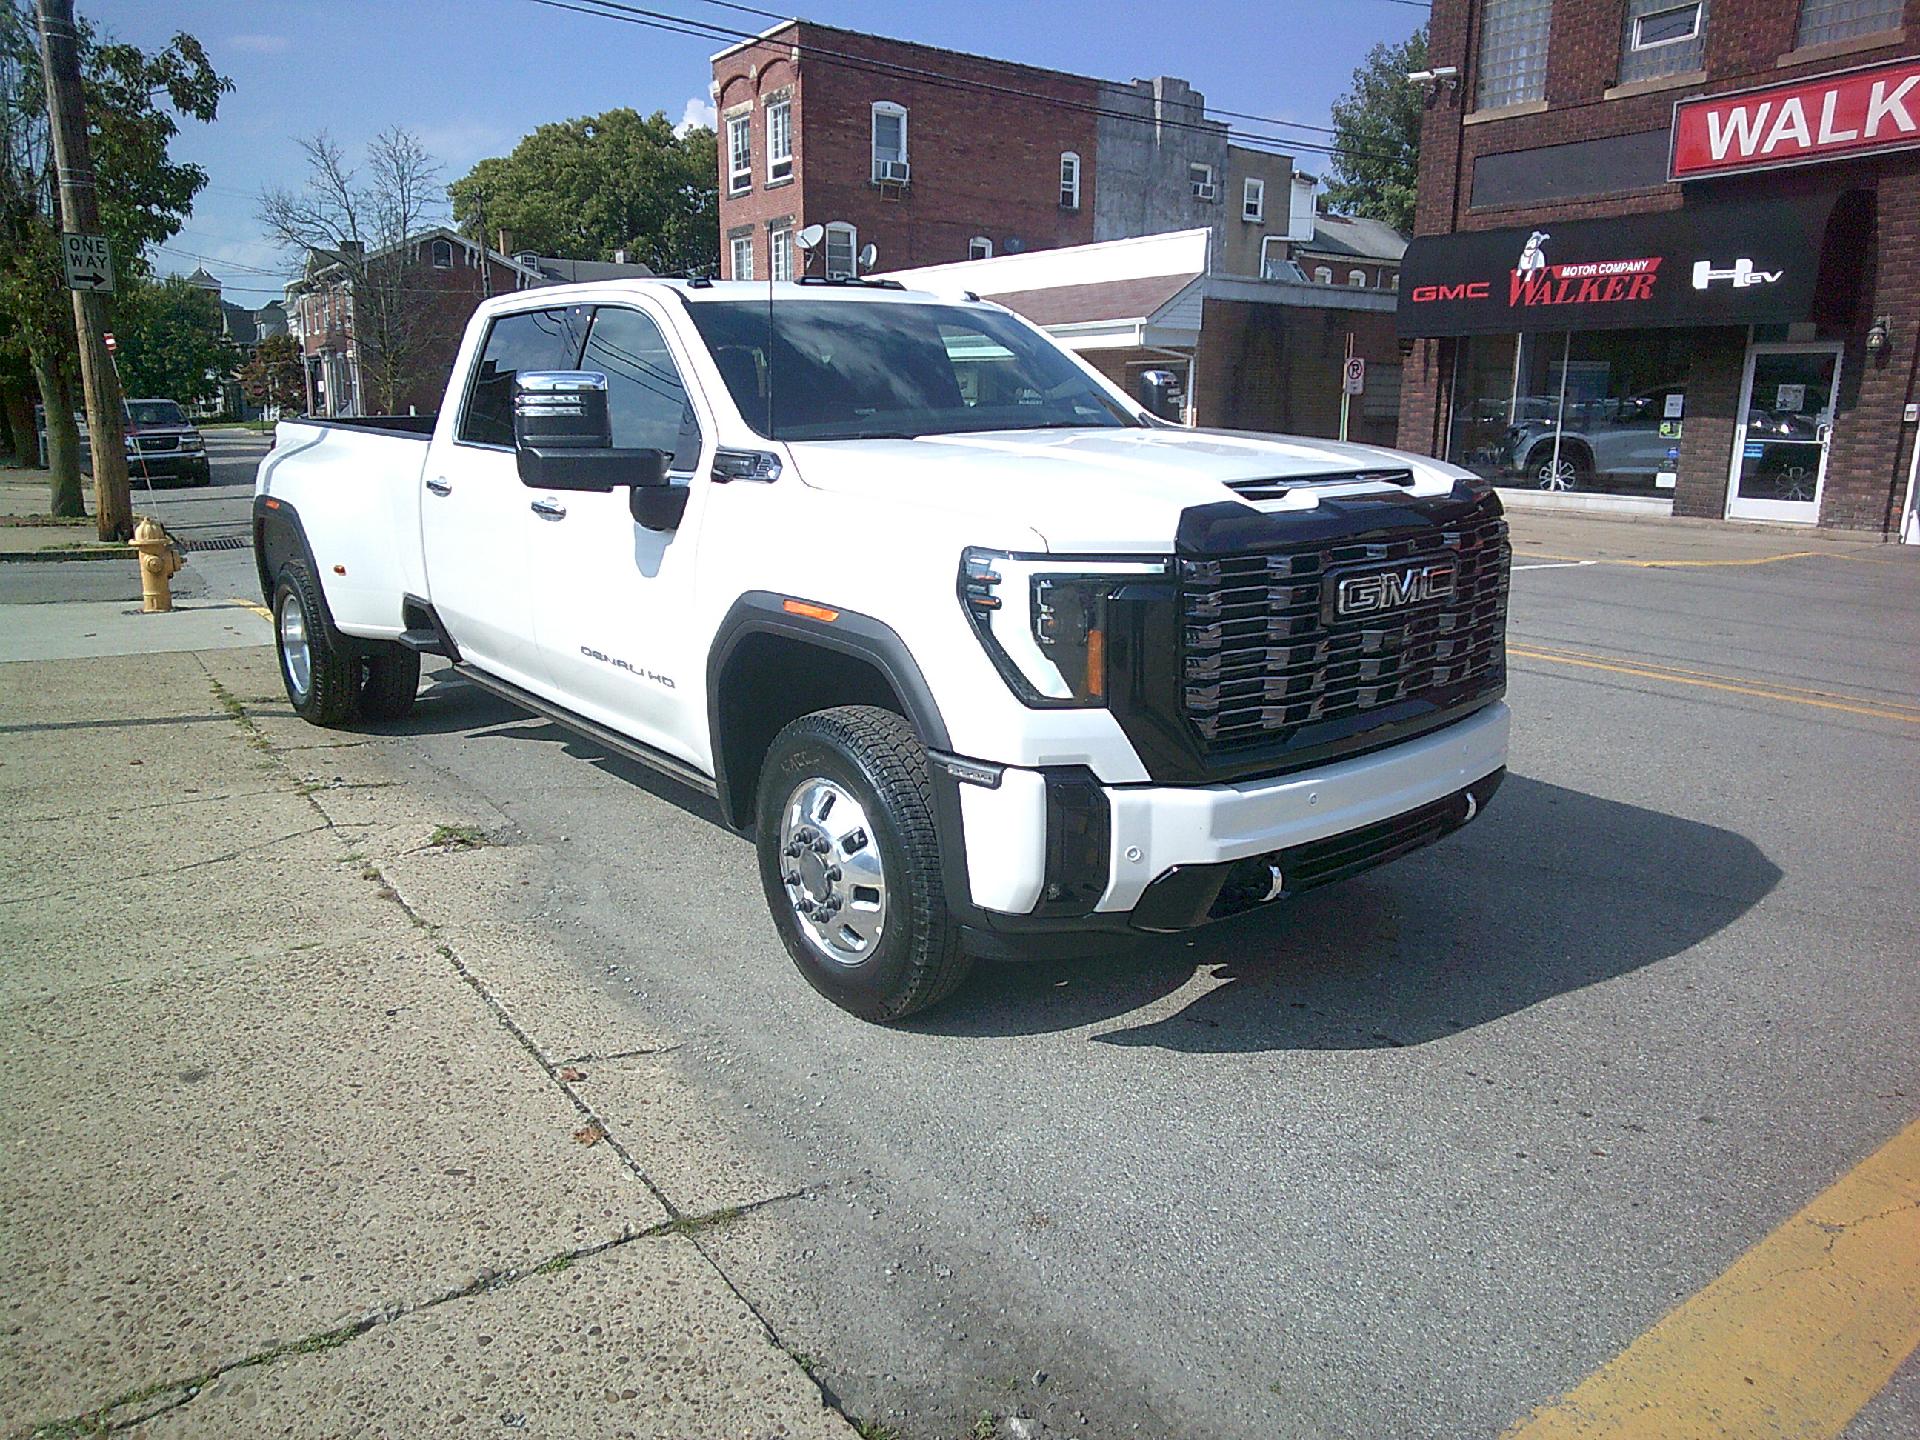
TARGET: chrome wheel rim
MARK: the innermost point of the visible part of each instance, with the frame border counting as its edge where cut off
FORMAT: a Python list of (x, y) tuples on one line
[(1559, 477), (295, 653), (831, 870)]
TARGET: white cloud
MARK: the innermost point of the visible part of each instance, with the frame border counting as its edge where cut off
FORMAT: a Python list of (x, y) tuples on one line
[(260, 44), (699, 112)]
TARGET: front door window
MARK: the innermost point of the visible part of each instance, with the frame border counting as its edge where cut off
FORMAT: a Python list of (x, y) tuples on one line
[(1786, 419)]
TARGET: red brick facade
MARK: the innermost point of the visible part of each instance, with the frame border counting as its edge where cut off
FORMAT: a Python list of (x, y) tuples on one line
[(1748, 43), (984, 162)]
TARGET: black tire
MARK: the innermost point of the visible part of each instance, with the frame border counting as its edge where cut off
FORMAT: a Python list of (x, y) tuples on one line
[(873, 758), (389, 682), (1575, 473), (331, 693)]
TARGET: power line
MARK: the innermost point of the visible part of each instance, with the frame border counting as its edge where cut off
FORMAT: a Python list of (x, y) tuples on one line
[(708, 30)]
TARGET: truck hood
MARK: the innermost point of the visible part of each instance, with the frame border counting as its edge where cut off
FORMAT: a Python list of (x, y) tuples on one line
[(1105, 490)]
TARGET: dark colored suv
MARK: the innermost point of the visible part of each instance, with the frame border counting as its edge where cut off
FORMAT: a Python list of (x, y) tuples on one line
[(162, 444)]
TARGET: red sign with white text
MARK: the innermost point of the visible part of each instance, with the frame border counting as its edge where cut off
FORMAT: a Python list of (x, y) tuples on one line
[(1831, 118)]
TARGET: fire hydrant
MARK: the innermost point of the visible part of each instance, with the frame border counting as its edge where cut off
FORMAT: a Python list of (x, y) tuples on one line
[(159, 563)]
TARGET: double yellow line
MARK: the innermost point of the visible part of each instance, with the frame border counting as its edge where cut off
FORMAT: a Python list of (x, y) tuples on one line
[(1730, 684)]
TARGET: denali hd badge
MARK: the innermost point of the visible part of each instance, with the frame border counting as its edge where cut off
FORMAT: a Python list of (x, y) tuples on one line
[(1378, 591)]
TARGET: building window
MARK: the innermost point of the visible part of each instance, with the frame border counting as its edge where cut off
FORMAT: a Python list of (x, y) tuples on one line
[(1357, 278), (739, 154), (780, 252), (1824, 20), (1253, 200), (1200, 181), (442, 251), (1662, 39), (1069, 180), (780, 140), (1513, 52), (743, 257), (843, 245), (1322, 275), (890, 142), (980, 248)]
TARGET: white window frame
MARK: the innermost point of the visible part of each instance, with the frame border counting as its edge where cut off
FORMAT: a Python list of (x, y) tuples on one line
[(1357, 279), (741, 248), (1253, 199), (1069, 180), (780, 252), (841, 227), (434, 250), (892, 110), (780, 158), (739, 177), (1636, 43), (1200, 184), (1267, 256), (980, 248), (1323, 274)]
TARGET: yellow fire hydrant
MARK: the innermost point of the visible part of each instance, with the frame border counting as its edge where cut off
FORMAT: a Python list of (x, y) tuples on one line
[(159, 563)]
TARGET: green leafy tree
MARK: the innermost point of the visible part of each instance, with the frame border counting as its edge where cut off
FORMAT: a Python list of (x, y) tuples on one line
[(1376, 159), (274, 375), (135, 100), (172, 341), (588, 187)]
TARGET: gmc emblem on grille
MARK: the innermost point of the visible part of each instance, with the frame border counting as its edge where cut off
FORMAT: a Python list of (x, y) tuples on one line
[(1381, 590)]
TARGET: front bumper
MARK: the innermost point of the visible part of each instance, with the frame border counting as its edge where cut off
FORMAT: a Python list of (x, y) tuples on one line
[(1162, 858)]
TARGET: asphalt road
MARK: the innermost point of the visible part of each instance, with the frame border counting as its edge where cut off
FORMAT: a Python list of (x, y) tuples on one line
[(1407, 1158)]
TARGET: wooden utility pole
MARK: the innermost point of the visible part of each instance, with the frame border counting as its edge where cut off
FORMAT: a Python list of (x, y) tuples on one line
[(80, 215)]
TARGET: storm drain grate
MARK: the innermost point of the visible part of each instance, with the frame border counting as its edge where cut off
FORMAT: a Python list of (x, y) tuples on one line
[(218, 542)]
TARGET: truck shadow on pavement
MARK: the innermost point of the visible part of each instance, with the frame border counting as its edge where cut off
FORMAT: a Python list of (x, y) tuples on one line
[(1553, 890)]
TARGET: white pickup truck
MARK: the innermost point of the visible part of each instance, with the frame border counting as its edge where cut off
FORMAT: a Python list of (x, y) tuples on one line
[(987, 657)]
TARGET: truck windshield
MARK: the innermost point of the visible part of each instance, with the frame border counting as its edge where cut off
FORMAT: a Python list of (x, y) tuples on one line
[(842, 370), (155, 412)]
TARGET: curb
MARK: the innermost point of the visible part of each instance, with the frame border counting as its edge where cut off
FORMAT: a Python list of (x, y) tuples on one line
[(103, 552)]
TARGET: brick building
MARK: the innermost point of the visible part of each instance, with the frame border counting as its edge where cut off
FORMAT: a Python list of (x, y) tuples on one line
[(1667, 255), (934, 156)]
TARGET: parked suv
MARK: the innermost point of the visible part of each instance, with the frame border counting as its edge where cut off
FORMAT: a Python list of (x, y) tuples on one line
[(986, 657), (162, 444)]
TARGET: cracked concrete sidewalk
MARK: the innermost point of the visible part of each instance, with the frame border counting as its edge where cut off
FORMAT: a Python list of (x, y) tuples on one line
[(296, 1139)]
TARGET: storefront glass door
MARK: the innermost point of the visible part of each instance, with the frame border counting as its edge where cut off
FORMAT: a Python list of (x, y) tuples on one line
[(1786, 421)]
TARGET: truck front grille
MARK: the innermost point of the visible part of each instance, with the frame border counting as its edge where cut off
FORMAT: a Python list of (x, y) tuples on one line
[(1263, 652)]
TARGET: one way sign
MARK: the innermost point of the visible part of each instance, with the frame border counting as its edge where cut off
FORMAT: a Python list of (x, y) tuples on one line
[(89, 262)]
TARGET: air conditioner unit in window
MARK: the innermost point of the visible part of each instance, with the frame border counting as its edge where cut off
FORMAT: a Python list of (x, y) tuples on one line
[(891, 172), (1203, 190)]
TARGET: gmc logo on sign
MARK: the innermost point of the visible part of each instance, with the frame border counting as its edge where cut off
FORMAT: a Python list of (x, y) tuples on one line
[(1471, 290), (1382, 590)]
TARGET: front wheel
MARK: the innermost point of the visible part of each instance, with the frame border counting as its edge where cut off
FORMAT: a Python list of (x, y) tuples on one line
[(850, 863)]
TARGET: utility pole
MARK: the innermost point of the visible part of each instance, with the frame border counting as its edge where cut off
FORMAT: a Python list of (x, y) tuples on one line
[(80, 215)]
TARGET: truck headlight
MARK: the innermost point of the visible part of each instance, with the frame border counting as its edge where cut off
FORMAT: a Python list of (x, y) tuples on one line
[(192, 442), (1042, 619)]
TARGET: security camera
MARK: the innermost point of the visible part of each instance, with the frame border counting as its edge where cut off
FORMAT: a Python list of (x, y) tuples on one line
[(1420, 77)]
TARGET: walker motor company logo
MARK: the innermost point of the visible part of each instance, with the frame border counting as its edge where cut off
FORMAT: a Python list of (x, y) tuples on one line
[(1831, 118), (1537, 281)]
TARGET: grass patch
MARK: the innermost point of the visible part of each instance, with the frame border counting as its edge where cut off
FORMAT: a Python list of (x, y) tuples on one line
[(712, 1220), (874, 1430), (457, 837)]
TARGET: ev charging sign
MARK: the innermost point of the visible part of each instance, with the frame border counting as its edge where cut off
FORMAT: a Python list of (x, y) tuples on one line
[(1740, 274)]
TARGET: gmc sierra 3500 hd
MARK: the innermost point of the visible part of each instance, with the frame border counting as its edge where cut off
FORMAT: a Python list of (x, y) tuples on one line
[(986, 656)]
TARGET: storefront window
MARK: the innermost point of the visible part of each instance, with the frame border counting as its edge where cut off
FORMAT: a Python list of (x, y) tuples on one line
[(1597, 412)]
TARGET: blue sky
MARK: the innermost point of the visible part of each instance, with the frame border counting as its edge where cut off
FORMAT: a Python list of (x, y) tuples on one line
[(472, 76)]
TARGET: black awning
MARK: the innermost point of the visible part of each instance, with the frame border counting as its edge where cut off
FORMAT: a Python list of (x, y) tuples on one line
[(1735, 263)]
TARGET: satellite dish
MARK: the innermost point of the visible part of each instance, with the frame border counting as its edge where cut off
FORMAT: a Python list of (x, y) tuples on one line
[(869, 253), (810, 237)]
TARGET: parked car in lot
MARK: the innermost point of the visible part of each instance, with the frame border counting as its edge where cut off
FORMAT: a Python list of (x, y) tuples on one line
[(162, 444), (1618, 440), (986, 656)]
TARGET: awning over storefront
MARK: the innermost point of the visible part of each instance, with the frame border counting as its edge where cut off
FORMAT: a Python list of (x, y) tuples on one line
[(1734, 263)]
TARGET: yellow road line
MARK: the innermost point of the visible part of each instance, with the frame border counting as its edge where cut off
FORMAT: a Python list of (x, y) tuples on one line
[(1648, 672), (1790, 1341), (1560, 652), (1682, 564), (260, 610)]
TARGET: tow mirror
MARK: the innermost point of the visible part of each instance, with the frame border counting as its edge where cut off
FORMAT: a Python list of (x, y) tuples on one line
[(563, 436), (1160, 394)]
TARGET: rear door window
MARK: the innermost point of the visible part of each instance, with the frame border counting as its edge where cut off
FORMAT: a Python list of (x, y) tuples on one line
[(646, 398), (530, 340)]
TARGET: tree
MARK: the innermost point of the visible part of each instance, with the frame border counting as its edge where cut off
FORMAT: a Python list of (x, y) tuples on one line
[(355, 235), (588, 187), (172, 341), (274, 377), (1376, 159), (135, 100)]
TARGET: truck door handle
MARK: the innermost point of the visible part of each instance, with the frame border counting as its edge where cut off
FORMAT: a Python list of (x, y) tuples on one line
[(440, 487), (549, 509)]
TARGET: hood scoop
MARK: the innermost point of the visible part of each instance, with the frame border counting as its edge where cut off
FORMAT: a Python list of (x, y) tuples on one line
[(1277, 488)]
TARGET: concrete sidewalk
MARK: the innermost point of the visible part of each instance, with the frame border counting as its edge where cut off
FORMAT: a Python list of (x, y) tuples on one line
[(294, 1140)]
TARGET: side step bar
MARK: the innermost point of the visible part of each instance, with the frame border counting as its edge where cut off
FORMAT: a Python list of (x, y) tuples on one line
[(600, 735)]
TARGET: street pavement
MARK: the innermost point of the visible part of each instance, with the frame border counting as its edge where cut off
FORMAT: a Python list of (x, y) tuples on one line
[(1411, 1157)]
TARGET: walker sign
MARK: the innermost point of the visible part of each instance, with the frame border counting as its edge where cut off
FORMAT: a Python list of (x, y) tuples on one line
[(1835, 117)]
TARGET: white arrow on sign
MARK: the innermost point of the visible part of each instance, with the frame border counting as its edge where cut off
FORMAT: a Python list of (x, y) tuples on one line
[(89, 262)]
